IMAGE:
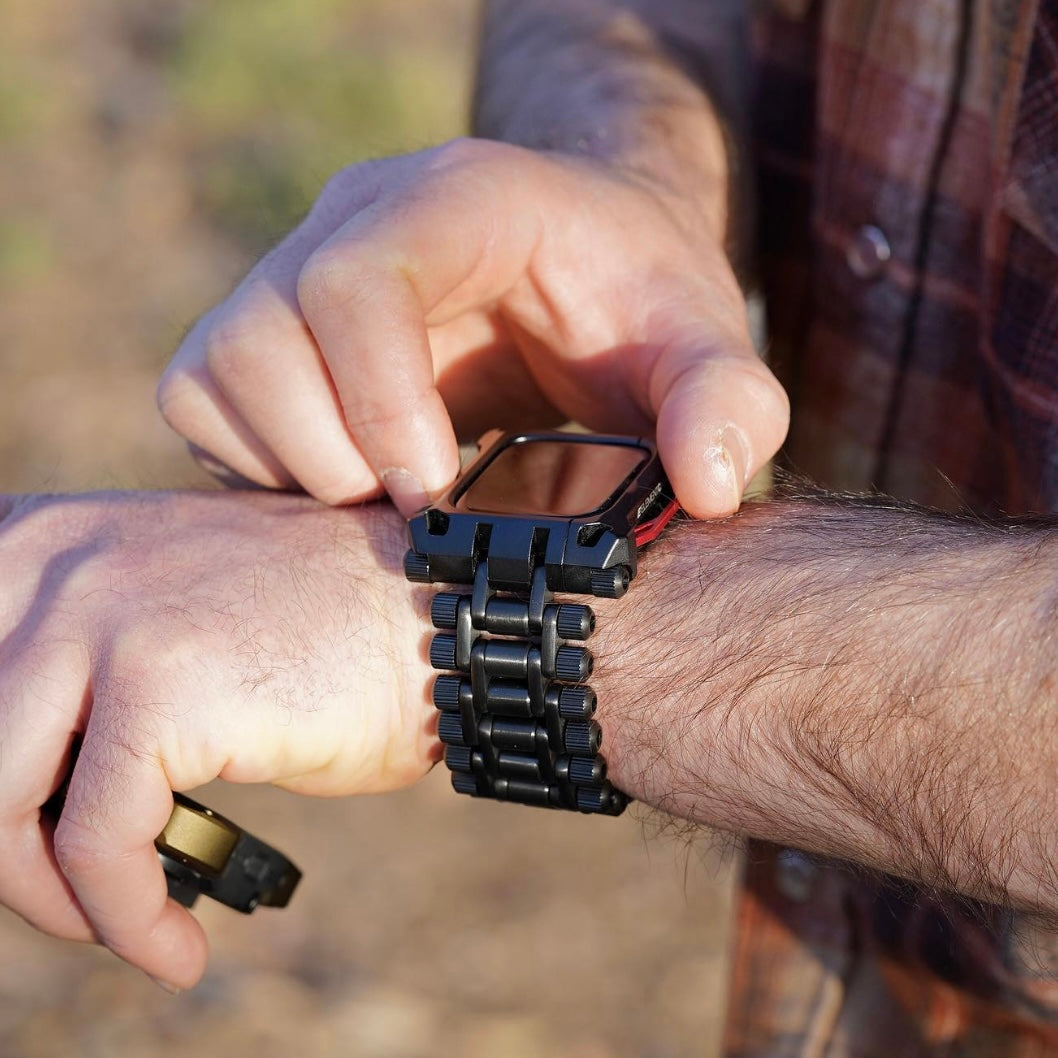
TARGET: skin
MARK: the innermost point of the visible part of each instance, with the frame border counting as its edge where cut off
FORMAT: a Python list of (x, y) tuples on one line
[(189, 636), (863, 681), (854, 677), (431, 296)]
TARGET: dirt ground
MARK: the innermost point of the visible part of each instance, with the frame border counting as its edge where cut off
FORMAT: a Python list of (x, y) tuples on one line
[(147, 153)]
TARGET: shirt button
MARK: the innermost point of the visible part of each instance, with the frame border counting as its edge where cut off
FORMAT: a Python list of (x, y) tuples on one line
[(868, 253), (795, 875)]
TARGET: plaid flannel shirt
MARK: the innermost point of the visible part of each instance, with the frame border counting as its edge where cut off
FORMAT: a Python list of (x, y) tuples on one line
[(907, 153)]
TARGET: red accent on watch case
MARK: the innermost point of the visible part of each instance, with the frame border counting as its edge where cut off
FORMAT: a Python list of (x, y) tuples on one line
[(650, 531)]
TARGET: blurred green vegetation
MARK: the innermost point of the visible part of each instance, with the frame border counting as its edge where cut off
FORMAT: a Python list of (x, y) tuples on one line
[(15, 102), (282, 93), (149, 151), (26, 251)]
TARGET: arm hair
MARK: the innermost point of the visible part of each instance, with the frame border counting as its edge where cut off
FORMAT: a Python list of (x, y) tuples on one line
[(853, 676)]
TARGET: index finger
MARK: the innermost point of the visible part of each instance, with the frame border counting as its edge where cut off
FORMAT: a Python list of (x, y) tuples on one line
[(452, 241)]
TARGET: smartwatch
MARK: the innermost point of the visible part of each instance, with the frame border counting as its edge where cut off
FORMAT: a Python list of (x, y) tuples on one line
[(534, 515)]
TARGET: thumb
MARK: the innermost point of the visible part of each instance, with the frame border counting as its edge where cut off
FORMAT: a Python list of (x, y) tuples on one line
[(721, 415)]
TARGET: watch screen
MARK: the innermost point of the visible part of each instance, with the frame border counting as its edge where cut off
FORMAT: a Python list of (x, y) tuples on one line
[(566, 479)]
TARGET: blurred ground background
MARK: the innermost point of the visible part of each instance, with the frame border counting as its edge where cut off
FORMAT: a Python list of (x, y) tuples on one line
[(148, 152)]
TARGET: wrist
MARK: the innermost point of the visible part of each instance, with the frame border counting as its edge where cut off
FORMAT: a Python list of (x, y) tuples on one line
[(399, 660), (850, 678), (690, 182), (600, 84)]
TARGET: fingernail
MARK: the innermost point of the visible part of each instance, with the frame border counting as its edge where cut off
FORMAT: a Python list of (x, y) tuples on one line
[(221, 471), (165, 986), (405, 489), (736, 445), (207, 460), (729, 465)]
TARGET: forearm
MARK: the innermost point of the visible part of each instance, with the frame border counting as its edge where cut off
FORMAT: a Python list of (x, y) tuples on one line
[(868, 683), (656, 88)]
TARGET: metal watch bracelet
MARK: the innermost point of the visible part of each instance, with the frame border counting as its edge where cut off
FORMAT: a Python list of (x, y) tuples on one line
[(516, 709)]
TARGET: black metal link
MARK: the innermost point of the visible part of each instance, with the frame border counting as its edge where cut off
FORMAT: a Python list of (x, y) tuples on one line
[(459, 758), (516, 712), (576, 703), (465, 784), (508, 699), (447, 691), (450, 730)]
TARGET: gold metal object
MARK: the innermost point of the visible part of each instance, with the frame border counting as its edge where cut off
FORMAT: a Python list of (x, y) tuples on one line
[(204, 853), (198, 837)]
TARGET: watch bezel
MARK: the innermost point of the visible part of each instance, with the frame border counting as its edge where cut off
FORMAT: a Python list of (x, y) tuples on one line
[(571, 547)]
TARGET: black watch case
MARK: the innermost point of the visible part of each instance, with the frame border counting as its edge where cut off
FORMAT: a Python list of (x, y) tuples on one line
[(581, 505)]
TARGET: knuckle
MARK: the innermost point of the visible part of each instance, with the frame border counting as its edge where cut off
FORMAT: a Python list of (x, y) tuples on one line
[(77, 848), (337, 189), (35, 518), (42, 670), (179, 390), (145, 659), (350, 190), (467, 172), (467, 151), (133, 651), (330, 278), (231, 347), (244, 333), (177, 398), (348, 185), (104, 567), (56, 543)]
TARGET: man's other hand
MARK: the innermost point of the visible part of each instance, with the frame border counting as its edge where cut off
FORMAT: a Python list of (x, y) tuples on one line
[(431, 296), (188, 636)]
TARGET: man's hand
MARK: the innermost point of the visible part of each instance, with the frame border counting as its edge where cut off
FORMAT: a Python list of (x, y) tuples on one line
[(435, 295), (188, 636)]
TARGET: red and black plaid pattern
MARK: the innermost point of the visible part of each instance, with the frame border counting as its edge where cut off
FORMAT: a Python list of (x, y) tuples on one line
[(935, 122), (908, 161)]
